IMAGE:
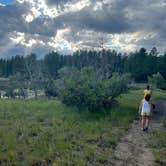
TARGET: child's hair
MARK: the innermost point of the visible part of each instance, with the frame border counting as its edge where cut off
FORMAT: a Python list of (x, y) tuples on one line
[(148, 87), (147, 97)]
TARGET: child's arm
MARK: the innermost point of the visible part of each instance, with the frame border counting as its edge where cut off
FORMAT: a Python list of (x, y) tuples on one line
[(151, 107)]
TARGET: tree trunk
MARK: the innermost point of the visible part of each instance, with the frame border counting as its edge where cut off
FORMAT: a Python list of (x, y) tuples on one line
[(35, 90)]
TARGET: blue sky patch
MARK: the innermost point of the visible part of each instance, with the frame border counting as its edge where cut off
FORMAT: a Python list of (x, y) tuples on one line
[(7, 1)]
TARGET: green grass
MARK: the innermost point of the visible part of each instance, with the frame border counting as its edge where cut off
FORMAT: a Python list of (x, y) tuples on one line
[(158, 140), (43, 132), (158, 145)]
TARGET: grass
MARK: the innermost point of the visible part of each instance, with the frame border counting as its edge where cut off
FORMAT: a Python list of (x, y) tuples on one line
[(158, 141), (158, 145), (47, 132)]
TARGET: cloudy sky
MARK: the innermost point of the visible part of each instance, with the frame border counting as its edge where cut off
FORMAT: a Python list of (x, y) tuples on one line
[(41, 26)]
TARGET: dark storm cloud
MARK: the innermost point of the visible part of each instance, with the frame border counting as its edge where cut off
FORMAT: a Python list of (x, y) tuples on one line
[(109, 17), (43, 26), (57, 2), (11, 18), (115, 17), (154, 20), (105, 20), (119, 16)]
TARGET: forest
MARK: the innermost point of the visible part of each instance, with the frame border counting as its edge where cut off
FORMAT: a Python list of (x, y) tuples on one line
[(140, 63), (82, 79)]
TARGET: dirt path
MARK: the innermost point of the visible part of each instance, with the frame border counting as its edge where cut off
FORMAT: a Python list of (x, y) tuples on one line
[(133, 148)]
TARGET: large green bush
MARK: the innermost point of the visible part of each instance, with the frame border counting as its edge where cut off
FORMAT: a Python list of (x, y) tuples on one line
[(86, 89), (158, 81)]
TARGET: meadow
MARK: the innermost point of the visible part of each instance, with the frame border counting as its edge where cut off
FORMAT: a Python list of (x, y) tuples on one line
[(46, 132)]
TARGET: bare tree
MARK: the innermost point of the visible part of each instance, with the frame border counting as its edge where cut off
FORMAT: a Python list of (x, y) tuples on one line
[(34, 73)]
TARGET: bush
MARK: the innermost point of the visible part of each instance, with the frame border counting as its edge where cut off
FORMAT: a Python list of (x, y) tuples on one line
[(87, 89), (158, 81), (50, 89)]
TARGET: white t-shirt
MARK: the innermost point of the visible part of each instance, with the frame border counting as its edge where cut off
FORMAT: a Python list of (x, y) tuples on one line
[(145, 106)]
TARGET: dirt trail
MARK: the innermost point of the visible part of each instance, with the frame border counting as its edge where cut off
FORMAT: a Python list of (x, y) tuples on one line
[(133, 148)]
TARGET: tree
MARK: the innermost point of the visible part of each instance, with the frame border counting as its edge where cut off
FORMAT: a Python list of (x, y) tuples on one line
[(140, 64), (161, 66), (154, 51), (158, 81), (10, 90), (34, 74), (53, 62), (86, 89), (50, 88)]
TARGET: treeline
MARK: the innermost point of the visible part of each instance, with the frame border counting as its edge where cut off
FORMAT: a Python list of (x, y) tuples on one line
[(140, 64), (87, 79)]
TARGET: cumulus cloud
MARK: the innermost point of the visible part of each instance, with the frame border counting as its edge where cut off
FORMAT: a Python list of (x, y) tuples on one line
[(67, 25)]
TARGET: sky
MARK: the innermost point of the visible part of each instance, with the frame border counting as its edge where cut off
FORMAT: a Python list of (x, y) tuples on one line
[(7, 1), (43, 26)]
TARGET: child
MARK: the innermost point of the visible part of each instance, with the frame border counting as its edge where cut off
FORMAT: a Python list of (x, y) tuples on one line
[(146, 112), (147, 91)]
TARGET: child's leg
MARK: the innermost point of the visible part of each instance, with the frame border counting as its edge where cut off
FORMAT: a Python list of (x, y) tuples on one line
[(143, 122), (148, 121)]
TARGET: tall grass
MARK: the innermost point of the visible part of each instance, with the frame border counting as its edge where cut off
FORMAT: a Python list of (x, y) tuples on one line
[(48, 132)]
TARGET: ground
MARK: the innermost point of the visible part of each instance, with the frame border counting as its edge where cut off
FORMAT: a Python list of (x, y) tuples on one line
[(46, 132), (135, 149)]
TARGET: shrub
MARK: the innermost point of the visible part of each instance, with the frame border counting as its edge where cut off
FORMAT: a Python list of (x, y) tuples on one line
[(50, 89), (158, 81), (86, 89)]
